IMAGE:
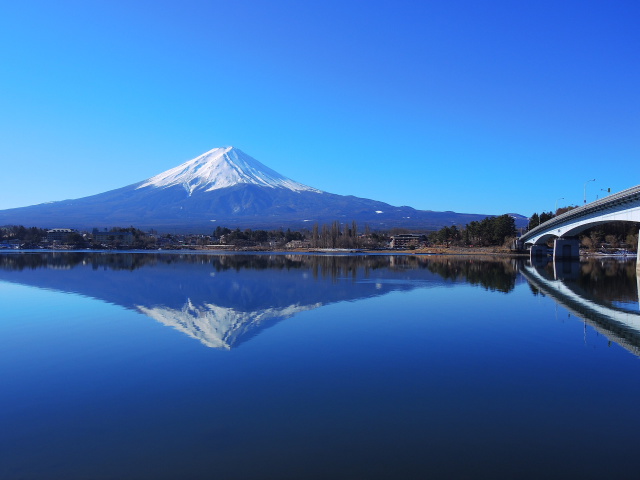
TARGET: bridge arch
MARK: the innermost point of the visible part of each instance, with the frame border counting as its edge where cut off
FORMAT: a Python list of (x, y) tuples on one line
[(620, 207), (571, 230)]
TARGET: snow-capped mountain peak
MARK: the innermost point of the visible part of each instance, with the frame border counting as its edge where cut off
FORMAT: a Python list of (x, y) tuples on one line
[(222, 168)]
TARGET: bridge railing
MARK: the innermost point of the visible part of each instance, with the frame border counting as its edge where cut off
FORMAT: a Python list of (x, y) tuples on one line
[(625, 196)]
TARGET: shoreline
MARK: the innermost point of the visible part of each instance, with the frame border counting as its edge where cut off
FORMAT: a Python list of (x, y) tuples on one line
[(469, 251), (431, 251)]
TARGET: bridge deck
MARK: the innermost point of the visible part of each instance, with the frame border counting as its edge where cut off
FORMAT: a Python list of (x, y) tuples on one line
[(609, 203)]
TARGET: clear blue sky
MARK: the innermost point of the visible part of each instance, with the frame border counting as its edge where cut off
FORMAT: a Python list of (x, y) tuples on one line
[(471, 106)]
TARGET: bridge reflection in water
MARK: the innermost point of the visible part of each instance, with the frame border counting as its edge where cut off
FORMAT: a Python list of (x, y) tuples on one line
[(561, 281)]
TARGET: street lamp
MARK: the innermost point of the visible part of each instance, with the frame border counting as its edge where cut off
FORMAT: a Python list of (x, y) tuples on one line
[(561, 198), (585, 189)]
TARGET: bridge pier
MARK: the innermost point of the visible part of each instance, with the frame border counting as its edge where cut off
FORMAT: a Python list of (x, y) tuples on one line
[(566, 248)]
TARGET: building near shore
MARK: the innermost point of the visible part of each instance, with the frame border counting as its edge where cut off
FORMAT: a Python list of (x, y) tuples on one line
[(59, 234), (405, 240)]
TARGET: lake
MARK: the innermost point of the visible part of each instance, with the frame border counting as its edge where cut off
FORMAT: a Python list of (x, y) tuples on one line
[(202, 366)]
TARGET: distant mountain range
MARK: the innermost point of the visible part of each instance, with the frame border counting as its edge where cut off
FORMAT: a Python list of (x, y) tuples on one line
[(226, 187)]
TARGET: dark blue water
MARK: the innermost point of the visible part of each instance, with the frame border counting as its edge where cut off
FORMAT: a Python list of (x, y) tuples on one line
[(136, 366)]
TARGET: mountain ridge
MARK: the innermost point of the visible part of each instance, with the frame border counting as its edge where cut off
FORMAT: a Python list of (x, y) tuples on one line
[(226, 187)]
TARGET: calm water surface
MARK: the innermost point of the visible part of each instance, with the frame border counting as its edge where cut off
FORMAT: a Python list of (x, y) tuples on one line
[(149, 366)]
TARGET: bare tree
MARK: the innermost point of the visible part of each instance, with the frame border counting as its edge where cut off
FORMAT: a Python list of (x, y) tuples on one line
[(335, 233)]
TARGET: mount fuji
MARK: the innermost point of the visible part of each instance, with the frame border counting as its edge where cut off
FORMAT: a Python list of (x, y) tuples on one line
[(226, 187)]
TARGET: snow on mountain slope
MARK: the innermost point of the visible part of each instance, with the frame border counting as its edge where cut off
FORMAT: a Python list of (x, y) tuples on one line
[(222, 168), (228, 187)]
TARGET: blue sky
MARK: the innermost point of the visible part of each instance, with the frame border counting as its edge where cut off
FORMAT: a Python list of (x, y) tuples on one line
[(479, 107)]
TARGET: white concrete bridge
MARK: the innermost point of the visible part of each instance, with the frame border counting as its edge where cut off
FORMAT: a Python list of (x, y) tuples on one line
[(619, 207), (618, 325)]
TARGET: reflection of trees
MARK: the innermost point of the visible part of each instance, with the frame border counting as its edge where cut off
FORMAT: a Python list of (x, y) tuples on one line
[(608, 280), (497, 275), (335, 266), (491, 274), (603, 279), (66, 260)]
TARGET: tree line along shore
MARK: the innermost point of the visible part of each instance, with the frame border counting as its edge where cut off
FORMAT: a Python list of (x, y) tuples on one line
[(336, 235), (491, 235)]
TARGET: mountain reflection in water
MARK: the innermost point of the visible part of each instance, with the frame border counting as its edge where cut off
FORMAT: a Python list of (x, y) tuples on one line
[(224, 300), (402, 366)]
